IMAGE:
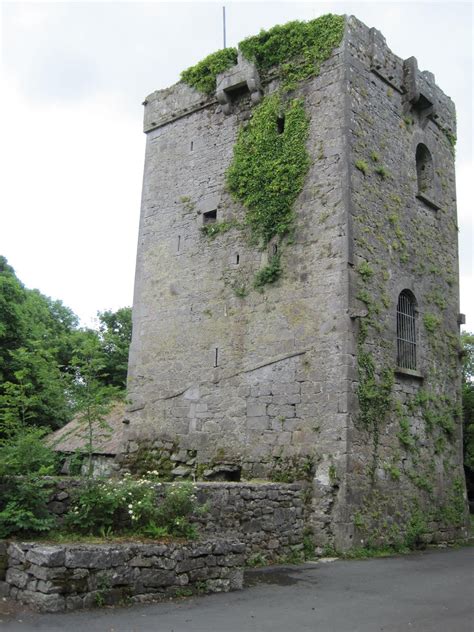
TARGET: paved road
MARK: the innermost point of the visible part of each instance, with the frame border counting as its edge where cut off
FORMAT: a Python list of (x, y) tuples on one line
[(424, 592)]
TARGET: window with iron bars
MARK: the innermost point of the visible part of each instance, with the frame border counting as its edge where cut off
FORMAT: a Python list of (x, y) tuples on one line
[(406, 331)]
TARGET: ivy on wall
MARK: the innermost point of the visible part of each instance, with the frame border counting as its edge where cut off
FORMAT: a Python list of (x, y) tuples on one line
[(203, 75), (296, 50), (269, 168)]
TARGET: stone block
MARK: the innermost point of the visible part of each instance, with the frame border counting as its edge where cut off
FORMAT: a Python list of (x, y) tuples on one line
[(42, 602), (16, 577), (258, 423), (154, 578), (46, 556)]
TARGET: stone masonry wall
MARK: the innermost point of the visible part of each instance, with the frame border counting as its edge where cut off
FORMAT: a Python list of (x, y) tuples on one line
[(302, 373), (278, 395), (269, 518), (405, 474), (71, 576)]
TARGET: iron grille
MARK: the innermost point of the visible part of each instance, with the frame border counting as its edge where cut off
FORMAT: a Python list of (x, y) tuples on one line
[(406, 333)]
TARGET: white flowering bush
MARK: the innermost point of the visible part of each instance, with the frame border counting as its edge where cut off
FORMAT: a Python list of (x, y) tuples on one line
[(130, 506)]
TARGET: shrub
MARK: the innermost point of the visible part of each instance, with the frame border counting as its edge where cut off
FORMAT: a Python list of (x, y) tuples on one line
[(23, 506), (26, 453), (131, 506)]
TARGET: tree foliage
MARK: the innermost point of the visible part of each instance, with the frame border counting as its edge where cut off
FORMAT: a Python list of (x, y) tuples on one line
[(40, 349), (467, 340)]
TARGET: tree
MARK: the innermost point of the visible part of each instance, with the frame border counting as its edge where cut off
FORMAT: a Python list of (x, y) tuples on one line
[(41, 345), (91, 397), (467, 340), (115, 333)]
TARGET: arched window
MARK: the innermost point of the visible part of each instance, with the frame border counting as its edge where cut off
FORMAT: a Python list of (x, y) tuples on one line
[(424, 168), (406, 331)]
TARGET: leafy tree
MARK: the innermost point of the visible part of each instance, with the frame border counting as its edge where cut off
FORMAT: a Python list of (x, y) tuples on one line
[(115, 333), (41, 345), (467, 340), (92, 398)]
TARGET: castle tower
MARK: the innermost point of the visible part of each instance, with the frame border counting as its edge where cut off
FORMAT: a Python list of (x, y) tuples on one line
[(296, 298)]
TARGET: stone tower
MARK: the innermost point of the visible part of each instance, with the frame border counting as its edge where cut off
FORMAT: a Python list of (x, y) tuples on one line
[(344, 367)]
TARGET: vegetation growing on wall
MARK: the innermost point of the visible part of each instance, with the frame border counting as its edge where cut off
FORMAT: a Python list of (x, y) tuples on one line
[(296, 50), (203, 75), (269, 168)]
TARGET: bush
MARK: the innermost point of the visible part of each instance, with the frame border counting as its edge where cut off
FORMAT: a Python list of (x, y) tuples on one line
[(23, 506), (131, 506), (26, 453)]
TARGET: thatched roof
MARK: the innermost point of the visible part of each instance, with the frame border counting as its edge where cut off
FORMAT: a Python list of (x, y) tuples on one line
[(107, 436)]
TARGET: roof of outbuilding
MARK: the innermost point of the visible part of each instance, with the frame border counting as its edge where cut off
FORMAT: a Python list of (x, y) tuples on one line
[(107, 435)]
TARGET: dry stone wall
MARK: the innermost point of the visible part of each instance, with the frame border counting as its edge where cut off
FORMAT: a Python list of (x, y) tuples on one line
[(68, 577), (269, 518)]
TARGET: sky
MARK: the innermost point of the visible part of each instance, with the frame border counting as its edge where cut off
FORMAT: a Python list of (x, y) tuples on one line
[(73, 78)]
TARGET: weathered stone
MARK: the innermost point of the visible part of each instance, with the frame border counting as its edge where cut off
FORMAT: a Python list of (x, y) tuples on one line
[(41, 602), (46, 556)]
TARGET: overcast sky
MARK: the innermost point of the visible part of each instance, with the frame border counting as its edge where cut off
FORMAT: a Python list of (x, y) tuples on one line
[(74, 75)]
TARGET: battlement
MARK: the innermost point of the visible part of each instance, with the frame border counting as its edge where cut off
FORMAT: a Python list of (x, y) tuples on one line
[(367, 45)]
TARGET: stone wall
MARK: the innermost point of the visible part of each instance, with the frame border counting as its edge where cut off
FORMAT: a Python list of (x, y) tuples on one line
[(70, 576), (269, 518), (277, 392), (404, 476), (220, 381)]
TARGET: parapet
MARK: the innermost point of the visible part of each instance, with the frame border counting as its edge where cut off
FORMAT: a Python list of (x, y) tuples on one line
[(367, 45)]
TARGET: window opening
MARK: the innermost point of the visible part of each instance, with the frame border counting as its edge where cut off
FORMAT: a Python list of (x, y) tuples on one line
[(237, 258), (280, 124), (192, 145), (216, 357), (179, 243), (406, 331), (424, 168), (210, 217)]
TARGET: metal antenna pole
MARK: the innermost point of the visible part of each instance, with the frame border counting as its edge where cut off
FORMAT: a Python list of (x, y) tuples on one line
[(223, 24)]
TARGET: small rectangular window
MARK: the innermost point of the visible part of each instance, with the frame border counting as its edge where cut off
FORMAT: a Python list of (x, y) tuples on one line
[(210, 217), (216, 357)]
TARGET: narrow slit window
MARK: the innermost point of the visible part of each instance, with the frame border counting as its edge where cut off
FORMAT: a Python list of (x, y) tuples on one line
[(216, 357), (178, 246), (237, 258), (406, 331), (192, 145), (210, 217), (424, 168)]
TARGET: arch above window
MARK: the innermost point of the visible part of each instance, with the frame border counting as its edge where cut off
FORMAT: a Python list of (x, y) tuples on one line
[(406, 330)]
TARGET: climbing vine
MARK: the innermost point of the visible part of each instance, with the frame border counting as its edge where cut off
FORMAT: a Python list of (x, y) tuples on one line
[(269, 167), (203, 75), (296, 49)]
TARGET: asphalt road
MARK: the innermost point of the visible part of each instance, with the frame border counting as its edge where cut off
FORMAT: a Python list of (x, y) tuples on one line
[(432, 591)]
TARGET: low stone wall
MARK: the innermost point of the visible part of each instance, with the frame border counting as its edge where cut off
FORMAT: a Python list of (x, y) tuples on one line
[(70, 576), (267, 517)]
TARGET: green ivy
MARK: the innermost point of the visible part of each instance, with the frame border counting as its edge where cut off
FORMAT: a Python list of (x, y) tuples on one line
[(216, 228), (269, 273), (203, 75), (296, 49), (269, 168)]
